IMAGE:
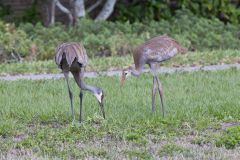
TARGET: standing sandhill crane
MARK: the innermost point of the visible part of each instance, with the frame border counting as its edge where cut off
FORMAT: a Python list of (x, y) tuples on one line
[(72, 57), (152, 52)]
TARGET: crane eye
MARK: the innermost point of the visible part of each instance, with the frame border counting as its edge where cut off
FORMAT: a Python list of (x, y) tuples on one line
[(125, 73)]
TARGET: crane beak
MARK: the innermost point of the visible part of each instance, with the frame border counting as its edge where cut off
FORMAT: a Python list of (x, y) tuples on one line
[(102, 106), (123, 80), (102, 109)]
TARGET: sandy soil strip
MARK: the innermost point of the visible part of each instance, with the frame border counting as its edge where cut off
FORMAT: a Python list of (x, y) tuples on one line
[(118, 72)]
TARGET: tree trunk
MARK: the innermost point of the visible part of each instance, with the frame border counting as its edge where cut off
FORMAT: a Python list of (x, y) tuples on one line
[(63, 9), (95, 5), (53, 7), (79, 9), (107, 10)]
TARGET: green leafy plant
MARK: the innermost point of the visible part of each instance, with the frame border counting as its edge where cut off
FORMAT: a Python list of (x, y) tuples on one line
[(230, 138), (111, 39), (135, 11)]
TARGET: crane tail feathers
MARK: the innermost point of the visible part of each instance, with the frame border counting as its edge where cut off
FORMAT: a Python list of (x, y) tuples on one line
[(70, 51)]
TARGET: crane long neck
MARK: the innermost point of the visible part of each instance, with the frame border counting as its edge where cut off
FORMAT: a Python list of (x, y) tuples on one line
[(78, 78), (84, 86), (89, 88)]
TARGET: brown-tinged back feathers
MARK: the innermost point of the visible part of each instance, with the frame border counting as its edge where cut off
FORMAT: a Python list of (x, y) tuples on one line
[(157, 49), (70, 51)]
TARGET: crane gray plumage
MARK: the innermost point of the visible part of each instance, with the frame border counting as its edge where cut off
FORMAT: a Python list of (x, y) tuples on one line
[(72, 57), (152, 52), (70, 51)]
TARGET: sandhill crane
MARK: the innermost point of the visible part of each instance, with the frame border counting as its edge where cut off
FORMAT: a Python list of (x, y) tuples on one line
[(152, 52), (72, 57)]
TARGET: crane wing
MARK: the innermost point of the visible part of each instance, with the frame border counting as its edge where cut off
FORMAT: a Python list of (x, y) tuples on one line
[(70, 51), (159, 49)]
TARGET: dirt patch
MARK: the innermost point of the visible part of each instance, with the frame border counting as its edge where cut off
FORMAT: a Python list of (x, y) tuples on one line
[(19, 137), (111, 148), (208, 150), (14, 153), (118, 72), (116, 149), (226, 125)]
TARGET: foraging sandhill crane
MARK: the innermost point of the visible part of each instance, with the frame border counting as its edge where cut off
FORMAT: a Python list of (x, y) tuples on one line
[(72, 57), (153, 51)]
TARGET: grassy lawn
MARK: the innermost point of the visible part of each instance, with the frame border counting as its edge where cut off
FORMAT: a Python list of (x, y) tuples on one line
[(35, 118), (105, 63)]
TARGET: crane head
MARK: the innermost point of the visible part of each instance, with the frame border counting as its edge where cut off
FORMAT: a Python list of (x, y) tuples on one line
[(125, 73), (99, 95)]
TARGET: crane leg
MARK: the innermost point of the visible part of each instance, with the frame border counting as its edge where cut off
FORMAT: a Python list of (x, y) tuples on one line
[(81, 98), (70, 93), (160, 90), (153, 93)]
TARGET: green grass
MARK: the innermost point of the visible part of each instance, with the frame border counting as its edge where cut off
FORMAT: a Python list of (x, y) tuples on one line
[(105, 63), (35, 115)]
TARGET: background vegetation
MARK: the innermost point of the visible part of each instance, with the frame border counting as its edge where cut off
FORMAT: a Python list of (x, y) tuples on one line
[(199, 25), (116, 38), (225, 10), (135, 10)]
